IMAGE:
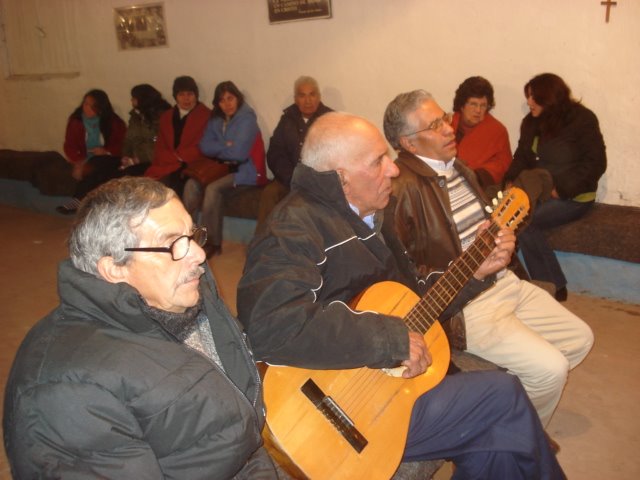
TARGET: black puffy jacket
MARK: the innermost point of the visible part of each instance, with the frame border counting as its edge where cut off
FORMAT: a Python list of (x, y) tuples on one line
[(100, 390)]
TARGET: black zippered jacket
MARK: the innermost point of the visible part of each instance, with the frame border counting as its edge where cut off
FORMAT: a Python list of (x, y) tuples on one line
[(100, 390), (576, 157), (311, 259)]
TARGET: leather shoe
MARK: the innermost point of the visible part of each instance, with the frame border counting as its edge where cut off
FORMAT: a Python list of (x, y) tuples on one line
[(70, 207), (562, 294), (64, 210)]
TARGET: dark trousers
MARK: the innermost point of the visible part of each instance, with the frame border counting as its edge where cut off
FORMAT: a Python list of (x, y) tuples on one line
[(101, 169), (539, 258), (175, 180), (485, 423)]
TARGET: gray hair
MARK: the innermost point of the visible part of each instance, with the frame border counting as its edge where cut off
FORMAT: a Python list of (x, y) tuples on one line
[(396, 122), (328, 141), (108, 217), (305, 80)]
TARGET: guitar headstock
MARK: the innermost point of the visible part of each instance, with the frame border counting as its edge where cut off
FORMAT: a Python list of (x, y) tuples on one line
[(512, 209)]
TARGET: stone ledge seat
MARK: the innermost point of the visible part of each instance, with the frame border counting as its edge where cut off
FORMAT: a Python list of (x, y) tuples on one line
[(242, 201), (611, 231), (600, 252), (48, 172)]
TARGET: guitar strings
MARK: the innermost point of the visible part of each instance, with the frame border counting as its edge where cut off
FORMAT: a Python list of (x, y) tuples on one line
[(427, 310), (361, 388), (440, 295), (365, 382)]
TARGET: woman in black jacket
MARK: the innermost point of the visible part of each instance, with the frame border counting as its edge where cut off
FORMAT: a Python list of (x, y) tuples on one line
[(561, 136)]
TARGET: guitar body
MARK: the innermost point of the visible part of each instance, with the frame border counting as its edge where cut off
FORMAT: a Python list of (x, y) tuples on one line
[(378, 404)]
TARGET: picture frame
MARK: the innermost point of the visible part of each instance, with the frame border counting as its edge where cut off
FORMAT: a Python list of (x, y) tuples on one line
[(281, 11), (141, 26)]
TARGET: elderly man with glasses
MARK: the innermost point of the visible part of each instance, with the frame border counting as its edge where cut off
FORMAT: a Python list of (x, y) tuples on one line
[(141, 371), (437, 210)]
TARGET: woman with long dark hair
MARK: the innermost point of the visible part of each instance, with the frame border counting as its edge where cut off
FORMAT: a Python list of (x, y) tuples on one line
[(94, 135), (232, 136), (134, 155), (93, 130), (563, 137)]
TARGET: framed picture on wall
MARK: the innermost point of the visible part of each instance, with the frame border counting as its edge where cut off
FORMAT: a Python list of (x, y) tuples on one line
[(293, 10), (141, 26)]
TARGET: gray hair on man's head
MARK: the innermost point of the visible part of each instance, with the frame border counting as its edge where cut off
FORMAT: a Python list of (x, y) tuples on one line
[(396, 121), (107, 219), (305, 80), (328, 141)]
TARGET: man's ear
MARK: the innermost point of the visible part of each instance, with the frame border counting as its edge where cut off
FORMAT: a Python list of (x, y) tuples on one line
[(111, 272), (407, 144), (344, 181)]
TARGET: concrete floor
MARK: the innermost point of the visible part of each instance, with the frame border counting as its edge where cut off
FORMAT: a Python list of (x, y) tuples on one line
[(596, 423)]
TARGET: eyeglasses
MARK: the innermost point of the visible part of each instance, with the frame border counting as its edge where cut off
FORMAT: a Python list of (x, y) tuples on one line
[(436, 125), (179, 247), (478, 105)]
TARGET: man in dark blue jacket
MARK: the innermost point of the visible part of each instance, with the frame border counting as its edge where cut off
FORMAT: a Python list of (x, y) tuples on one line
[(285, 144)]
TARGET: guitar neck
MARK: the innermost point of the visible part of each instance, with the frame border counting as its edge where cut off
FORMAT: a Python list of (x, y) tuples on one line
[(445, 289)]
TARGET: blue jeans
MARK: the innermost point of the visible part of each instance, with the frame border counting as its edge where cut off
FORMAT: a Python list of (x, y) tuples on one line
[(539, 258), (485, 423), (208, 201)]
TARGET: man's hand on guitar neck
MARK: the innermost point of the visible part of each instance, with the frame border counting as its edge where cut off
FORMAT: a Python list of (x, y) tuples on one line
[(419, 356), (500, 257)]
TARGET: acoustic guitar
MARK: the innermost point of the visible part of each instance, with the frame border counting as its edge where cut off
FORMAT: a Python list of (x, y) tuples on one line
[(352, 424)]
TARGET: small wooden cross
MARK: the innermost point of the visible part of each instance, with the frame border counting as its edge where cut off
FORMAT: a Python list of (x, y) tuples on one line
[(609, 4)]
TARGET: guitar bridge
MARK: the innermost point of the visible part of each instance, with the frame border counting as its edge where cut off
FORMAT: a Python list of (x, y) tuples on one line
[(332, 412)]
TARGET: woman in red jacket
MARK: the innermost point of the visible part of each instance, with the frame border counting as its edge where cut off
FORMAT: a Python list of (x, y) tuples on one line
[(483, 142), (94, 139)]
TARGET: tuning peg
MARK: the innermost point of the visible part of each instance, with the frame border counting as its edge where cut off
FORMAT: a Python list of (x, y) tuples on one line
[(500, 195), (488, 209), (495, 202)]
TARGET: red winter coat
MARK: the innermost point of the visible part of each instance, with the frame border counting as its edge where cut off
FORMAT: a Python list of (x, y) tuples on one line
[(486, 146), (75, 147), (166, 158)]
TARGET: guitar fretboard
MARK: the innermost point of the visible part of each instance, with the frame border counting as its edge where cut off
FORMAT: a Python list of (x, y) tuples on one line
[(444, 290)]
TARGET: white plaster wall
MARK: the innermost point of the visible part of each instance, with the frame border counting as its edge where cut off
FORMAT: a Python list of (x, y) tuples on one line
[(368, 52)]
